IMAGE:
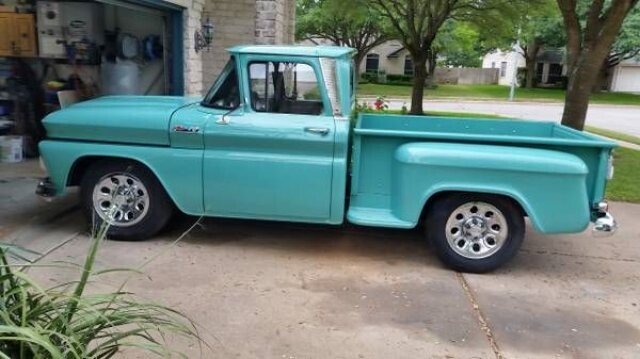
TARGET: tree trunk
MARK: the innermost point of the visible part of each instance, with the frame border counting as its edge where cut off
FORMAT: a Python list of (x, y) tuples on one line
[(431, 70), (531, 73), (601, 79), (419, 78), (357, 63), (579, 89), (530, 57)]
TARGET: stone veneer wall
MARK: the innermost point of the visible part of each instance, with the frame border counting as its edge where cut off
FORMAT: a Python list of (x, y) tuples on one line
[(236, 22), (192, 60)]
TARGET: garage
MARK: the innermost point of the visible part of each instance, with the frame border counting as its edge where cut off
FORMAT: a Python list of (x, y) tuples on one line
[(77, 50), (626, 78), (55, 53)]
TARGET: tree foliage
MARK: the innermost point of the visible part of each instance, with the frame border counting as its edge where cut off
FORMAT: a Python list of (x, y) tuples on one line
[(342, 23), (417, 24), (459, 45), (627, 44)]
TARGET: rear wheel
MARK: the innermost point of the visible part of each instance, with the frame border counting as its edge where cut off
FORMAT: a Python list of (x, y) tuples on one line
[(126, 196), (475, 232)]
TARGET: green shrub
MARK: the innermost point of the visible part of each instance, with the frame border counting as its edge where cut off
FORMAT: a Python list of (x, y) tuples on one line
[(369, 77), (64, 322), (400, 78)]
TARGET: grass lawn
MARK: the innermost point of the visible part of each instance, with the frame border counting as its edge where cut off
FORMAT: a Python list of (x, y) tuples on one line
[(489, 92), (625, 186), (613, 134), (448, 114)]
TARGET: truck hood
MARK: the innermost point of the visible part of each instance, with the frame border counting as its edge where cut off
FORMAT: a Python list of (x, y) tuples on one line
[(121, 119)]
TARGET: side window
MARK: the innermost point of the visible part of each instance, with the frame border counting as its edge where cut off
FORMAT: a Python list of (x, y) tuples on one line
[(225, 92), (284, 87), (372, 63), (408, 66), (503, 69)]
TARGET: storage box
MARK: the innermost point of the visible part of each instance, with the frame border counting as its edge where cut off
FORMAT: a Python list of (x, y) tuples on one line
[(11, 149)]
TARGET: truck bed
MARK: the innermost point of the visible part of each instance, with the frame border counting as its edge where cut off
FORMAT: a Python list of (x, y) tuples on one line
[(378, 138), (476, 130)]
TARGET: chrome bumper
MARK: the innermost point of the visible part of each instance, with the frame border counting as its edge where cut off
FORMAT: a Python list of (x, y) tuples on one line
[(46, 189), (605, 225)]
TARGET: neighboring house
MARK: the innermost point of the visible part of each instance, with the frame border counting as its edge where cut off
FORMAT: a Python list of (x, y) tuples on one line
[(550, 69), (389, 57), (506, 62), (626, 76), (393, 59)]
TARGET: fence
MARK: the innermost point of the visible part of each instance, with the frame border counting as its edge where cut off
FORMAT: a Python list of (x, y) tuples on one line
[(466, 76)]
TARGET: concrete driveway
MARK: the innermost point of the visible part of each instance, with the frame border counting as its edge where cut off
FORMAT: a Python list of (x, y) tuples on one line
[(625, 119), (280, 290)]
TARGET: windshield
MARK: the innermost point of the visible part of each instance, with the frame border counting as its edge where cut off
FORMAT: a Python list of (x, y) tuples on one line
[(225, 92)]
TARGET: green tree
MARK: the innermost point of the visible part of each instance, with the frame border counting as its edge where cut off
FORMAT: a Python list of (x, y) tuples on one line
[(418, 22), (538, 27), (589, 44), (343, 23), (459, 45)]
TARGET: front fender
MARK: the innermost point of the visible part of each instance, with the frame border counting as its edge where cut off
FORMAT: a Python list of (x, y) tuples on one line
[(550, 186), (178, 170)]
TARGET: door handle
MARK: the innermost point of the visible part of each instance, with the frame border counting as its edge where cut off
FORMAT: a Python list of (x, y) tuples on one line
[(317, 130)]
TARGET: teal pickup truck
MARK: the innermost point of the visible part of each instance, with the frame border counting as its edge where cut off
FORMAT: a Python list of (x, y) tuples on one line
[(274, 139)]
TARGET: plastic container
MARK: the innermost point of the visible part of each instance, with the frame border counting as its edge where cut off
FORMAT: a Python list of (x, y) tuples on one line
[(122, 78), (11, 149)]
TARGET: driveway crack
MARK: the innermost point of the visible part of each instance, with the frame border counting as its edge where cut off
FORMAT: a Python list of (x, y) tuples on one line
[(480, 317)]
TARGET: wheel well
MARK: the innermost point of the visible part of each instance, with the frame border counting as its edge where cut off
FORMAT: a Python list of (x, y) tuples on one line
[(436, 197), (80, 166)]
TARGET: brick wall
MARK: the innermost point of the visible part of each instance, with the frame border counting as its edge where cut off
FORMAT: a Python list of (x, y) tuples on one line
[(235, 22), (193, 79), (275, 21)]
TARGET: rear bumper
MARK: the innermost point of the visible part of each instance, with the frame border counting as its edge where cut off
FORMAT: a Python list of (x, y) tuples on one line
[(604, 225), (46, 189)]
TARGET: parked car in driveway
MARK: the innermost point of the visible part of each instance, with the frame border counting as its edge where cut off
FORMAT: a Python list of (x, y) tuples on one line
[(273, 140)]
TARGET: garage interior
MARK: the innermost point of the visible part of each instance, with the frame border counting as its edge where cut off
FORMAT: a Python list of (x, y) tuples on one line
[(54, 53)]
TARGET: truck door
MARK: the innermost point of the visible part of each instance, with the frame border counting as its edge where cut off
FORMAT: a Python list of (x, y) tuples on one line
[(272, 158)]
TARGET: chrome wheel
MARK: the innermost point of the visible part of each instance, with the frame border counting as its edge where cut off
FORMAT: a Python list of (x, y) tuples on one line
[(120, 199), (476, 230)]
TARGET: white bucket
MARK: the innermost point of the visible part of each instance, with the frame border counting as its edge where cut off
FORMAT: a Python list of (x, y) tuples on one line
[(11, 149)]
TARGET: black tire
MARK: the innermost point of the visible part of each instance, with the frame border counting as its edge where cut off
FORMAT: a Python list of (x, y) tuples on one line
[(160, 207), (443, 210)]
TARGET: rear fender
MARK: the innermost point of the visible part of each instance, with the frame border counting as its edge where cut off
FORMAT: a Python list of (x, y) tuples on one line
[(550, 186)]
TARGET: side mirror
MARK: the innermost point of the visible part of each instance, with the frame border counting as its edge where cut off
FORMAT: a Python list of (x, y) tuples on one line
[(223, 120)]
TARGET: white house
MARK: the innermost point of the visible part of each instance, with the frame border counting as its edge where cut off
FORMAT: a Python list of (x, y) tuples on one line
[(626, 76), (506, 61), (550, 69)]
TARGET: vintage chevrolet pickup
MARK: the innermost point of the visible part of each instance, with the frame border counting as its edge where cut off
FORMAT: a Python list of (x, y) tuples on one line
[(273, 139)]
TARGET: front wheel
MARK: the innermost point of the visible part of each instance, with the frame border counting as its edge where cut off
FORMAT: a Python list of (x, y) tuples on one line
[(126, 196), (475, 232)]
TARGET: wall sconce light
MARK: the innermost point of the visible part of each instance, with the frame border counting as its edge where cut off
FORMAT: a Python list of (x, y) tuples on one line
[(203, 37)]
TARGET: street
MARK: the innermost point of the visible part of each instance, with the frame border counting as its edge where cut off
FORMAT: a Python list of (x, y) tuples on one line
[(624, 119), (282, 290)]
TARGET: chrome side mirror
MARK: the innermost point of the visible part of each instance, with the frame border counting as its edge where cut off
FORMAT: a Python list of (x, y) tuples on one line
[(223, 120)]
